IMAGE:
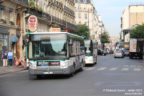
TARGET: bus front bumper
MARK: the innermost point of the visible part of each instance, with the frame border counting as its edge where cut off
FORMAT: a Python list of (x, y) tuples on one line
[(48, 71)]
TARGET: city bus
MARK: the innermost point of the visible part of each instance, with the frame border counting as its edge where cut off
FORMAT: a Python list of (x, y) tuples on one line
[(54, 53), (90, 52)]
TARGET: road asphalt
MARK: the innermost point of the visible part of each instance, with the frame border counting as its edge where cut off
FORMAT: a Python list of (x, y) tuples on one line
[(110, 77)]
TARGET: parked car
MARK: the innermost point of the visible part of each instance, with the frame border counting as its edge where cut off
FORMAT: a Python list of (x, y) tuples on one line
[(126, 52), (111, 52), (100, 52), (105, 53), (118, 53)]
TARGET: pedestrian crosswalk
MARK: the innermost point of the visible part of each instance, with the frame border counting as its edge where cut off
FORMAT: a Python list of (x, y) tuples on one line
[(122, 68)]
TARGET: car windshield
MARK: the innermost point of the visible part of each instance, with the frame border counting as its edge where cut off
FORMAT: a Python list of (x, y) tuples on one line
[(47, 47)]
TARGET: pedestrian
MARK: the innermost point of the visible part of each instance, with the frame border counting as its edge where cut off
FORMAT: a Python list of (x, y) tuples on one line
[(10, 58), (4, 57)]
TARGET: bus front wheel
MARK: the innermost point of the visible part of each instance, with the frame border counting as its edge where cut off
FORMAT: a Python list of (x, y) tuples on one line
[(82, 66), (32, 77)]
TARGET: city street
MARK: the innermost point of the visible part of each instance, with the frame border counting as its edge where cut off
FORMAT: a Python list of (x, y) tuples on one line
[(110, 77)]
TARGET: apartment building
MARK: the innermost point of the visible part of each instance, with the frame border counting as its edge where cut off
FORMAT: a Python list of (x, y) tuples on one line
[(86, 14), (132, 15), (11, 26)]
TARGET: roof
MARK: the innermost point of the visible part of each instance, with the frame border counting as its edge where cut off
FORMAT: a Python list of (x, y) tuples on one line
[(54, 33)]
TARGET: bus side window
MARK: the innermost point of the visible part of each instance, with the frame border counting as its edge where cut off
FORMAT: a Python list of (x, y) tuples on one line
[(72, 49), (82, 48)]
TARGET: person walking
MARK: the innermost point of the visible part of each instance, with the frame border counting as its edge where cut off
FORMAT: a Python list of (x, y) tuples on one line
[(4, 57), (10, 58)]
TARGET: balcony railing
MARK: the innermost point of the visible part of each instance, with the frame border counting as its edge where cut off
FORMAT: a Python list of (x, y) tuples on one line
[(21, 2), (68, 10), (56, 3), (52, 19)]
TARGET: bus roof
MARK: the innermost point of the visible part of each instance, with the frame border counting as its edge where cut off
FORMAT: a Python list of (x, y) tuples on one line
[(28, 33)]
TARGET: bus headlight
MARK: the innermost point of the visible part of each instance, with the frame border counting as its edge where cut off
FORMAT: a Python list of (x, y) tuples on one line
[(64, 64), (33, 65)]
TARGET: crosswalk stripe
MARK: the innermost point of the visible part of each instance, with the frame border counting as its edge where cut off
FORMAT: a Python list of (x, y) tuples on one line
[(137, 69), (90, 68), (124, 69), (101, 69), (113, 69)]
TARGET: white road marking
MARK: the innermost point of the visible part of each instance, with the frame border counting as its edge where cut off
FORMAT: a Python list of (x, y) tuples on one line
[(124, 69), (113, 69), (92, 68), (137, 69), (102, 68)]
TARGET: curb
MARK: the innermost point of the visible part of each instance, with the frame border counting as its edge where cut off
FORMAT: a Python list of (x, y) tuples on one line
[(13, 71)]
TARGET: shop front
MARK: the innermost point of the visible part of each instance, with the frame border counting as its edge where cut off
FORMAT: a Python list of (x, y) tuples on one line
[(4, 41)]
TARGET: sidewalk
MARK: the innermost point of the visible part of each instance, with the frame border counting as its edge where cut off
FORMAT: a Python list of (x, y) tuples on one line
[(6, 70)]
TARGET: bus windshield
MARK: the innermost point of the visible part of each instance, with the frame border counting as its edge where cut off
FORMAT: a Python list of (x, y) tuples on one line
[(47, 47), (88, 47)]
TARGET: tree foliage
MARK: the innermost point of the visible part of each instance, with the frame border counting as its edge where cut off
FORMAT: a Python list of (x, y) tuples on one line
[(105, 38), (83, 30), (137, 32)]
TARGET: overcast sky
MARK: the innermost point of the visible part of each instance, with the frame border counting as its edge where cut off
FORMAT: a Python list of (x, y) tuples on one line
[(111, 12)]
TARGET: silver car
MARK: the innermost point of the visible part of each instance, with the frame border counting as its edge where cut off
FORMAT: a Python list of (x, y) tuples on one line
[(118, 53)]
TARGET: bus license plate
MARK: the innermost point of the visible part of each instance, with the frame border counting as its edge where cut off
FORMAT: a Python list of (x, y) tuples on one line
[(47, 72)]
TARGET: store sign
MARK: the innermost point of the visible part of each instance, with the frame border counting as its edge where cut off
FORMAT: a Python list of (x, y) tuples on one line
[(32, 23), (55, 29)]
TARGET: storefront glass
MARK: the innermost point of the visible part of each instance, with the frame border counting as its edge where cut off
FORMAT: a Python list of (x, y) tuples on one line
[(3, 42)]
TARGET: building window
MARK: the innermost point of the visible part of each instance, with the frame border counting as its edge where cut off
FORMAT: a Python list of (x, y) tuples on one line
[(3, 42), (85, 16), (79, 15), (79, 8)]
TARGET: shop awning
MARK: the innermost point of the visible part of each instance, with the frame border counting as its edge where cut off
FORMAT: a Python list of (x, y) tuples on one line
[(14, 39)]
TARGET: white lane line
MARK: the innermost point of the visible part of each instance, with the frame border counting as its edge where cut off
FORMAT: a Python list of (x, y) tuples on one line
[(113, 69), (137, 69), (90, 68), (124, 69), (101, 69), (132, 66)]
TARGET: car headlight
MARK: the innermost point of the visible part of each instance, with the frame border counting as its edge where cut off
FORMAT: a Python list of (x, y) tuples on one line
[(33, 65), (64, 64)]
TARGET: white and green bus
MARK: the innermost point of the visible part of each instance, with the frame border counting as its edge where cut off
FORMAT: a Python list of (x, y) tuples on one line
[(54, 53), (90, 52)]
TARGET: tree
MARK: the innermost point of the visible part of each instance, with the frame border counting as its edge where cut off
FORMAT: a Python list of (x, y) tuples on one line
[(83, 30), (105, 38), (137, 32)]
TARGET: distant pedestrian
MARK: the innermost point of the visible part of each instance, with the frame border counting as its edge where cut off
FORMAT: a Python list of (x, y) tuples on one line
[(10, 58), (5, 56)]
